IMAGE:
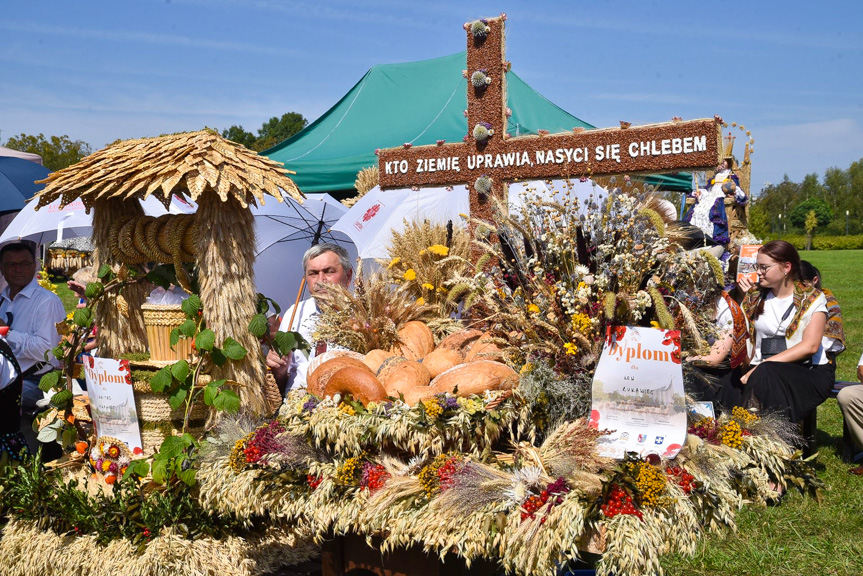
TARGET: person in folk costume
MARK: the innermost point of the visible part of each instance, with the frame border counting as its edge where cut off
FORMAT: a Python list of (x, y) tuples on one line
[(834, 333), (13, 445), (790, 370), (708, 213)]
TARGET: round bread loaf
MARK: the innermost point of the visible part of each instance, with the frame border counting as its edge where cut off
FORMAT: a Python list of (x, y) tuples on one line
[(329, 355), (416, 340), (460, 340), (405, 376), (388, 366), (360, 383), (475, 378), (484, 349), (317, 380), (376, 357), (442, 360)]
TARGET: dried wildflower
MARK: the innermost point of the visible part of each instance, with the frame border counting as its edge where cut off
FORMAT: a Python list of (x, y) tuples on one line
[(439, 250), (410, 275), (395, 261), (432, 407), (730, 434), (649, 482), (350, 471)]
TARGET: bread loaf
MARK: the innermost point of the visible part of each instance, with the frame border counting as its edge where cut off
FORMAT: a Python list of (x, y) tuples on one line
[(460, 340), (376, 357), (360, 383), (416, 340), (475, 378), (441, 360), (484, 349), (405, 376), (317, 380)]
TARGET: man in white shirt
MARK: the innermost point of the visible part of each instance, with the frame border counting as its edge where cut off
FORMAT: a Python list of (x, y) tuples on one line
[(851, 403), (322, 263), (31, 313)]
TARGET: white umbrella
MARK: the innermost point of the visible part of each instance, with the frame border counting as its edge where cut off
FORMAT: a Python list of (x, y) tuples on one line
[(51, 223), (18, 154), (372, 220), (284, 231)]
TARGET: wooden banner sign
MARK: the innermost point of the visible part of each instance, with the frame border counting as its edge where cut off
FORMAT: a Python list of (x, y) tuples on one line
[(487, 150)]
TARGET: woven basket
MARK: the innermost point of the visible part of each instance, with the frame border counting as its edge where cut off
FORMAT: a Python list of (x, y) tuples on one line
[(157, 419), (160, 320)]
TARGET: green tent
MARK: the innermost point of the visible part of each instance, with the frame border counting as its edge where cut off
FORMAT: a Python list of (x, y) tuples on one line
[(416, 102)]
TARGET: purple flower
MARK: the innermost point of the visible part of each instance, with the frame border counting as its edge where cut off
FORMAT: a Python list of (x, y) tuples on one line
[(310, 404)]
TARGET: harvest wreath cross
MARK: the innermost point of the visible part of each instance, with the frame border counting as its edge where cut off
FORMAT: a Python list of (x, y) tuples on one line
[(489, 158)]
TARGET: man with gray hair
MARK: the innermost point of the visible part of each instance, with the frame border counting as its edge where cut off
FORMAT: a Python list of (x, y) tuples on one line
[(322, 264)]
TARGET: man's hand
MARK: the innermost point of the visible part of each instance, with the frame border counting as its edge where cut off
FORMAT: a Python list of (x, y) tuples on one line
[(76, 287), (278, 365)]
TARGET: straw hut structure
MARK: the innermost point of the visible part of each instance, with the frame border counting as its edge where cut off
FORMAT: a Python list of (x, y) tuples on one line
[(223, 178)]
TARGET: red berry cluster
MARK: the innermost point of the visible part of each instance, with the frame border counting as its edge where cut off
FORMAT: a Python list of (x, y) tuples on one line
[(681, 477), (314, 481), (374, 476), (252, 453), (619, 502), (446, 473), (554, 492)]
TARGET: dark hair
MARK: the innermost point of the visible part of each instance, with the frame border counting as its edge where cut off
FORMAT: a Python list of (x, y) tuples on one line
[(808, 273), (782, 252), (18, 247)]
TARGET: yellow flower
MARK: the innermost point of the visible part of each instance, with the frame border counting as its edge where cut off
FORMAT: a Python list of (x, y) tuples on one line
[(423, 252), (526, 368), (439, 249), (533, 309), (428, 286), (421, 301), (582, 323), (442, 290), (571, 348), (393, 262), (410, 274), (432, 407), (654, 324)]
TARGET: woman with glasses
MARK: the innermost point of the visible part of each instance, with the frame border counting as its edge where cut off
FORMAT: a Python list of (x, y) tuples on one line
[(790, 372)]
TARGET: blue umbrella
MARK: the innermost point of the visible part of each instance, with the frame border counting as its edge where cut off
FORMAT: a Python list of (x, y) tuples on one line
[(17, 182)]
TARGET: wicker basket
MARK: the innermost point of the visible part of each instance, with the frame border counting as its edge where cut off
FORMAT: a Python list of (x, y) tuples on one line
[(158, 420), (160, 320)]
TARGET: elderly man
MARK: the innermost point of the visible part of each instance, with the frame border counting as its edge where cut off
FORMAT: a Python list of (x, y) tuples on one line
[(322, 263), (851, 403), (31, 313)]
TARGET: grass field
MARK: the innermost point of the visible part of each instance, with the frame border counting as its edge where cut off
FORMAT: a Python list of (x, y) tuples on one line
[(800, 536)]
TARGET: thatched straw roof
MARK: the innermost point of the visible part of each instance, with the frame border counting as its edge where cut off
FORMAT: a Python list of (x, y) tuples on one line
[(188, 164)]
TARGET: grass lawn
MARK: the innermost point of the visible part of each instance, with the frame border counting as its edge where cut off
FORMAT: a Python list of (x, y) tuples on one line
[(800, 536)]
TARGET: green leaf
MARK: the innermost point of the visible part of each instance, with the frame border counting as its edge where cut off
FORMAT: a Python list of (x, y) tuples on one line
[(175, 337), (61, 399), (162, 380), (48, 434), (159, 470), (68, 437), (233, 349), (227, 401), (173, 446), (285, 342), (58, 352), (180, 370), (205, 340), (93, 290), (258, 325), (210, 394), (175, 399), (159, 277), (49, 381), (188, 328), (218, 357), (83, 317), (104, 270), (188, 476), (139, 468), (191, 305)]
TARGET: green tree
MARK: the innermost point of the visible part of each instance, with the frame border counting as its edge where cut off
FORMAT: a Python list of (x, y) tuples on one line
[(57, 152), (276, 130), (759, 223), (239, 135), (800, 212)]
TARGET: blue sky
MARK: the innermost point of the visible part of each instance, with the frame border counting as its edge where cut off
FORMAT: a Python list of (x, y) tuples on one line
[(98, 71)]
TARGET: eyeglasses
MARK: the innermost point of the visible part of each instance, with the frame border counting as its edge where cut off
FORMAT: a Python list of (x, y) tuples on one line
[(763, 268), (17, 265)]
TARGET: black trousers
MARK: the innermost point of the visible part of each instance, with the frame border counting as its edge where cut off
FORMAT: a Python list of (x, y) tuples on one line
[(792, 389)]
